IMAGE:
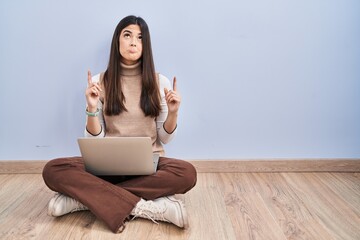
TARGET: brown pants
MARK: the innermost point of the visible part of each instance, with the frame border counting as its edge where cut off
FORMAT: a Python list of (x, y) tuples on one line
[(112, 198)]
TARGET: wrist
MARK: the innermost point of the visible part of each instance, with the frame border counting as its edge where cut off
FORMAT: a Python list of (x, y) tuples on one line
[(91, 113), (172, 114), (91, 109)]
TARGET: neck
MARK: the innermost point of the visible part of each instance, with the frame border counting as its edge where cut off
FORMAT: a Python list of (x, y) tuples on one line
[(128, 62), (131, 69)]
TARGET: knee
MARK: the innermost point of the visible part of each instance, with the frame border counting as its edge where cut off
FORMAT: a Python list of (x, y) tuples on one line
[(53, 171), (49, 172), (189, 175)]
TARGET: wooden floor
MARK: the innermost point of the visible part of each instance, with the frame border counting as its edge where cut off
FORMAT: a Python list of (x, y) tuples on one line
[(221, 206)]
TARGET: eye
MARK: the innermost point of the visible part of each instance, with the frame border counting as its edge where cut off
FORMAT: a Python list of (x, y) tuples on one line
[(140, 37), (126, 35)]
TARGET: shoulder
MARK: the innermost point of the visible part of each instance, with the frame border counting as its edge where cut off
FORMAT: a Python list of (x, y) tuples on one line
[(164, 82), (96, 78)]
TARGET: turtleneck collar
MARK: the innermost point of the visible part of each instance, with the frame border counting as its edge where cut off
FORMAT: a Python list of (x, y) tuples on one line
[(131, 70)]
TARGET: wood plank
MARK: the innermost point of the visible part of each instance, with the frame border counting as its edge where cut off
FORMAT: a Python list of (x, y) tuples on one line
[(250, 217), (208, 215), (217, 166), (326, 206), (26, 211), (351, 180), (22, 166), (221, 206), (350, 193), (290, 212), (206, 208)]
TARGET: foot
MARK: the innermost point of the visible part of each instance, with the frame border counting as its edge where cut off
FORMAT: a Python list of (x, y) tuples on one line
[(167, 209), (61, 204)]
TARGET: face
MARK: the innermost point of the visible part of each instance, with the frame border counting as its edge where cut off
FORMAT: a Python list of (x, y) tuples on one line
[(130, 42)]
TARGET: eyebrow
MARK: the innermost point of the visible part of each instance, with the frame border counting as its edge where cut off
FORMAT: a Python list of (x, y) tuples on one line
[(128, 31)]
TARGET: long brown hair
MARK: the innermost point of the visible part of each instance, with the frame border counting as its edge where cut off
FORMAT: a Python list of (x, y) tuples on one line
[(150, 94)]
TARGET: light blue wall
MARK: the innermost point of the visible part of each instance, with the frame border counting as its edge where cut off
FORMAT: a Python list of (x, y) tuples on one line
[(259, 79)]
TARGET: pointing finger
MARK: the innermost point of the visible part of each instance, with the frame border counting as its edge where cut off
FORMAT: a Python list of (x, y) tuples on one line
[(174, 84), (89, 78)]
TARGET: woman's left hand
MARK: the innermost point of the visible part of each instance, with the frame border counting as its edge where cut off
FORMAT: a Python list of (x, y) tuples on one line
[(173, 98)]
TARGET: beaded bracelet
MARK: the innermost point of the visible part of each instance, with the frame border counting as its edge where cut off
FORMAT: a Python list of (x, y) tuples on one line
[(92, 114)]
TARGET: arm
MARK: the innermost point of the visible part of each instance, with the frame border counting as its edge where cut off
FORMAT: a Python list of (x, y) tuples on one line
[(166, 122), (94, 124), (170, 123)]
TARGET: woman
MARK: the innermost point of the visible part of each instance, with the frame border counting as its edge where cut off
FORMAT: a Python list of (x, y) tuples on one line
[(128, 99)]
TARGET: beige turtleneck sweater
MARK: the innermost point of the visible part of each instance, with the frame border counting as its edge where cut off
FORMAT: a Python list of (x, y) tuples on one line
[(133, 123)]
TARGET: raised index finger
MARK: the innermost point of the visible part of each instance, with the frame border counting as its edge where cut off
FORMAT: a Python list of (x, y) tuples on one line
[(174, 84), (89, 78)]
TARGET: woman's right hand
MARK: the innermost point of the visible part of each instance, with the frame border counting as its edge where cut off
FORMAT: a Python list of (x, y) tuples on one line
[(92, 94)]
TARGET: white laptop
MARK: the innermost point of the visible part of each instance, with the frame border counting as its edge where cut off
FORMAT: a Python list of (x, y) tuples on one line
[(118, 155)]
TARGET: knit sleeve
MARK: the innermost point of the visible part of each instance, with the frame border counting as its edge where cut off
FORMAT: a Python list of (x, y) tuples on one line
[(96, 78), (164, 136)]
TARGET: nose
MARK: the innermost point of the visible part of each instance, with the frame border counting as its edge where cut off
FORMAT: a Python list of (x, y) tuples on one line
[(133, 42)]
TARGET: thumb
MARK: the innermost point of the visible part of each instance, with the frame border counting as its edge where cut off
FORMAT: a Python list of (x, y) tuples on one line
[(166, 91)]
